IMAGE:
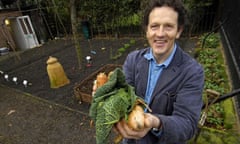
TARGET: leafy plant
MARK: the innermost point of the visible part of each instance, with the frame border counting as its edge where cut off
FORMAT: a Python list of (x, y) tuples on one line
[(121, 50), (220, 116), (210, 40), (132, 41), (126, 46)]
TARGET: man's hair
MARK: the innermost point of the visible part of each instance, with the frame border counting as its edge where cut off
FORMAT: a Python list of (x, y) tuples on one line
[(177, 5)]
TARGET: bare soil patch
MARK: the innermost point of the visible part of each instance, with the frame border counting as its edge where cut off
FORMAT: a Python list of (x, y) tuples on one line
[(39, 114)]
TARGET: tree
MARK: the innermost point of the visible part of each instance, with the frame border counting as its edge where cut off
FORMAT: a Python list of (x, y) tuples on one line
[(75, 31)]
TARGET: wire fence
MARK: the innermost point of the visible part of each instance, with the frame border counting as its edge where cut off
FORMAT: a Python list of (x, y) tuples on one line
[(230, 19)]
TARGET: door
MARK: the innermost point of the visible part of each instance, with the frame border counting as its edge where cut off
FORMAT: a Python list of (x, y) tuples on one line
[(28, 32)]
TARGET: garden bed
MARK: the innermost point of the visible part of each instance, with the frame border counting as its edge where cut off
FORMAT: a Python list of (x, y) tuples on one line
[(32, 67)]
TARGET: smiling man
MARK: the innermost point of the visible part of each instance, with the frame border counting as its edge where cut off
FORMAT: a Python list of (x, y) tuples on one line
[(162, 30), (168, 79)]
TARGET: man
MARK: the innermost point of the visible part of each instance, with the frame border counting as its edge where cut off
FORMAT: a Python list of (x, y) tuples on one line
[(170, 81)]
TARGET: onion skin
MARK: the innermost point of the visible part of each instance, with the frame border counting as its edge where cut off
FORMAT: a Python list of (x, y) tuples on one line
[(136, 118)]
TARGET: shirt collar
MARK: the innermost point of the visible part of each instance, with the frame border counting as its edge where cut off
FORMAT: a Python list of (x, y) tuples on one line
[(149, 56)]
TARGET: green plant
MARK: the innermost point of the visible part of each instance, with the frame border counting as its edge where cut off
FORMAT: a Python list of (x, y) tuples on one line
[(221, 116), (121, 50), (126, 46), (210, 40), (132, 41)]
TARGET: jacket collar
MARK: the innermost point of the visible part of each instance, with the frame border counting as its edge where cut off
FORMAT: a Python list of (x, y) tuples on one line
[(168, 74), (149, 56)]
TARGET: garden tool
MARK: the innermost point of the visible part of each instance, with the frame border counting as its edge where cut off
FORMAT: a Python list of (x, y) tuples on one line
[(212, 96), (235, 92), (56, 73)]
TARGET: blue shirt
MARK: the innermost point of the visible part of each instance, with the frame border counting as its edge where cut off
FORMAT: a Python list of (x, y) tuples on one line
[(154, 72)]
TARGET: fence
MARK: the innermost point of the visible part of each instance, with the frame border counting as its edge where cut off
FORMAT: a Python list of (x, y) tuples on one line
[(230, 25), (201, 20)]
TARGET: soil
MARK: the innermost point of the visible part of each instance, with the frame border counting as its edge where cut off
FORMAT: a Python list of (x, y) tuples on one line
[(40, 114)]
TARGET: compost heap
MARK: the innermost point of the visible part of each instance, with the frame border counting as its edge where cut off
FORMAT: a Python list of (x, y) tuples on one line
[(111, 102)]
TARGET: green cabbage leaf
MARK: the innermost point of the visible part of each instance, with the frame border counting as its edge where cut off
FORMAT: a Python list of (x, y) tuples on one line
[(111, 102)]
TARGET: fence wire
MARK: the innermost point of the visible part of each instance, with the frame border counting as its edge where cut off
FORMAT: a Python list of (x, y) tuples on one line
[(230, 12)]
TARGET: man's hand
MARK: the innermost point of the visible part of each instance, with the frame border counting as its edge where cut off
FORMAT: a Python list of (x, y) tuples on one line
[(150, 121)]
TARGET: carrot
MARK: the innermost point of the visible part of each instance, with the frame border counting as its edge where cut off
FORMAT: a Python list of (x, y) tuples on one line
[(101, 79)]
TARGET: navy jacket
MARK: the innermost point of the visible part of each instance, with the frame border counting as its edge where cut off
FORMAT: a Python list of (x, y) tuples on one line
[(176, 99)]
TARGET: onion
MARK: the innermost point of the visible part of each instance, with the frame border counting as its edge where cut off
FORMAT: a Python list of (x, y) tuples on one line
[(136, 118)]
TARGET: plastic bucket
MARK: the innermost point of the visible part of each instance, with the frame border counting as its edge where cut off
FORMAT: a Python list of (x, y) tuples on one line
[(4, 51)]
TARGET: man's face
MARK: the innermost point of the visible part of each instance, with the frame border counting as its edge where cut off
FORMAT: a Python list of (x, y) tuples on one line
[(162, 30)]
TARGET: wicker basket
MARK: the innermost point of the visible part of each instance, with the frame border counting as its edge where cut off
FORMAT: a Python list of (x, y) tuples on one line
[(83, 90)]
